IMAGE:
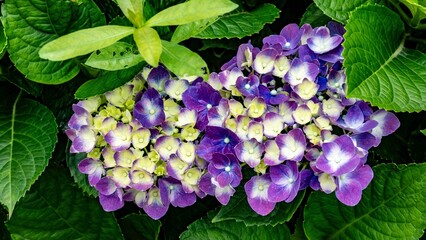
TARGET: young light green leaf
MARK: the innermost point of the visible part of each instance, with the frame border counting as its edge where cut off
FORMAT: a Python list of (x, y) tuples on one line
[(79, 178), (339, 9), (314, 16), (186, 31), (149, 45), (133, 10), (232, 230), (417, 9), (239, 210), (393, 206), (41, 22), (423, 131), (83, 42), (54, 209), (28, 136), (182, 61), (118, 56), (107, 82), (136, 226), (191, 11), (3, 42), (379, 68), (241, 24)]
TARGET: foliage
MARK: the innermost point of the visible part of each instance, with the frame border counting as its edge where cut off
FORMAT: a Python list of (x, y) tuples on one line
[(96, 46)]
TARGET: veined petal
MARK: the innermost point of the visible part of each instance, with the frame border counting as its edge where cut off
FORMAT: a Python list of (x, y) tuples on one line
[(299, 71), (84, 141), (113, 201), (272, 153), (166, 146), (156, 204), (119, 138), (175, 88), (264, 61), (257, 194), (141, 180), (273, 124), (249, 152), (141, 138), (125, 158), (292, 145), (186, 152)]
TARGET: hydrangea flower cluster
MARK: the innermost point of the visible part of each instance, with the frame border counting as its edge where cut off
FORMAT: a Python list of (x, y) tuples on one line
[(279, 110), (285, 115), (140, 141)]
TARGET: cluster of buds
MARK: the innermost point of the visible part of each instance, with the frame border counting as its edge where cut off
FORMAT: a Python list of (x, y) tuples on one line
[(285, 115), (140, 141), (279, 110)]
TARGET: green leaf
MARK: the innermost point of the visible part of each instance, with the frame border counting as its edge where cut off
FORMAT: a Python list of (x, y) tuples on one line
[(241, 24), (379, 68), (191, 11), (149, 45), (29, 24), (83, 42), (136, 226), (182, 61), (339, 9), (79, 178), (133, 10), (186, 31), (314, 16), (107, 82), (417, 9), (54, 209), (239, 210), (3, 42), (230, 230), (393, 206), (118, 56), (423, 131), (28, 136)]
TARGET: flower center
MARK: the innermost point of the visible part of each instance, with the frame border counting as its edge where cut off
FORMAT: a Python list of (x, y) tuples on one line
[(209, 106), (287, 44), (228, 168), (152, 111), (226, 140), (274, 92), (260, 187), (247, 86), (169, 148)]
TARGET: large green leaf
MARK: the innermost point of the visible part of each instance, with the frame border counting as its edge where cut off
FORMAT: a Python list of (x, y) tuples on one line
[(136, 226), (392, 207), (149, 45), (119, 55), (54, 209), (232, 230), (241, 24), (107, 82), (423, 131), (191, 11), (239, 210), (417, 9), (314, 16), (379, 68), (186, 31), (182, 61), (83, 41), (3, 42), (79, 178), (29, 24), (133, 10), (27, 139), (339, 9)]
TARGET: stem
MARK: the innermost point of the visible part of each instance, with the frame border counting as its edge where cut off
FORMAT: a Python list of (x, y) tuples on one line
[(416, 19), (401, 12), (419, 40)]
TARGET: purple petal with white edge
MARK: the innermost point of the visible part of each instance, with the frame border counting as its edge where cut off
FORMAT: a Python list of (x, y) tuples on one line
[(80, 117), (217, 139), (333, 56), (176, 195), (273, 124), (206, 184), (363, 175), (257, 194), (228, 78), (285, 182), (321, 41), (364, 140), (157, 78), (119, 138), (89, 165), (354, 117), (84, 141), (292, 35), (219, 114), (292, 145), (156, 204), (230, 64), (387, 123), (306, 176), (286, 109), (166, 146), (264, 61), (112, 202), (106, 186), (339, 156), (332, 108), (176, 167), (248, 86), (349, 192), (299, 71), (141, 180), (96, 176), (245, 55), (223, 194), (249, 152), (272, 153), (273, 40), (226, 169), (149, 110)]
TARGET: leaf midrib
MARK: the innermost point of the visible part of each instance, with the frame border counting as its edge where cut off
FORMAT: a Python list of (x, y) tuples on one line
[(334, 236)]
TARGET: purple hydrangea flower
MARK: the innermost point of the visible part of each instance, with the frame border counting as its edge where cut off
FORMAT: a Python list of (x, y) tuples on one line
[(156, 204), (119, 138), (173, 189), (250, 152), (226, 169), (94, 168), (350, 185), (339, 156), (292, 145), (83, 140), (285, 182), (257, 194), (264, 61), (149, 110), (248, 86), (321, 41), (354, 121), (157, 78), (300, 70), (209, 185), (217, 140), (387, 124)]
